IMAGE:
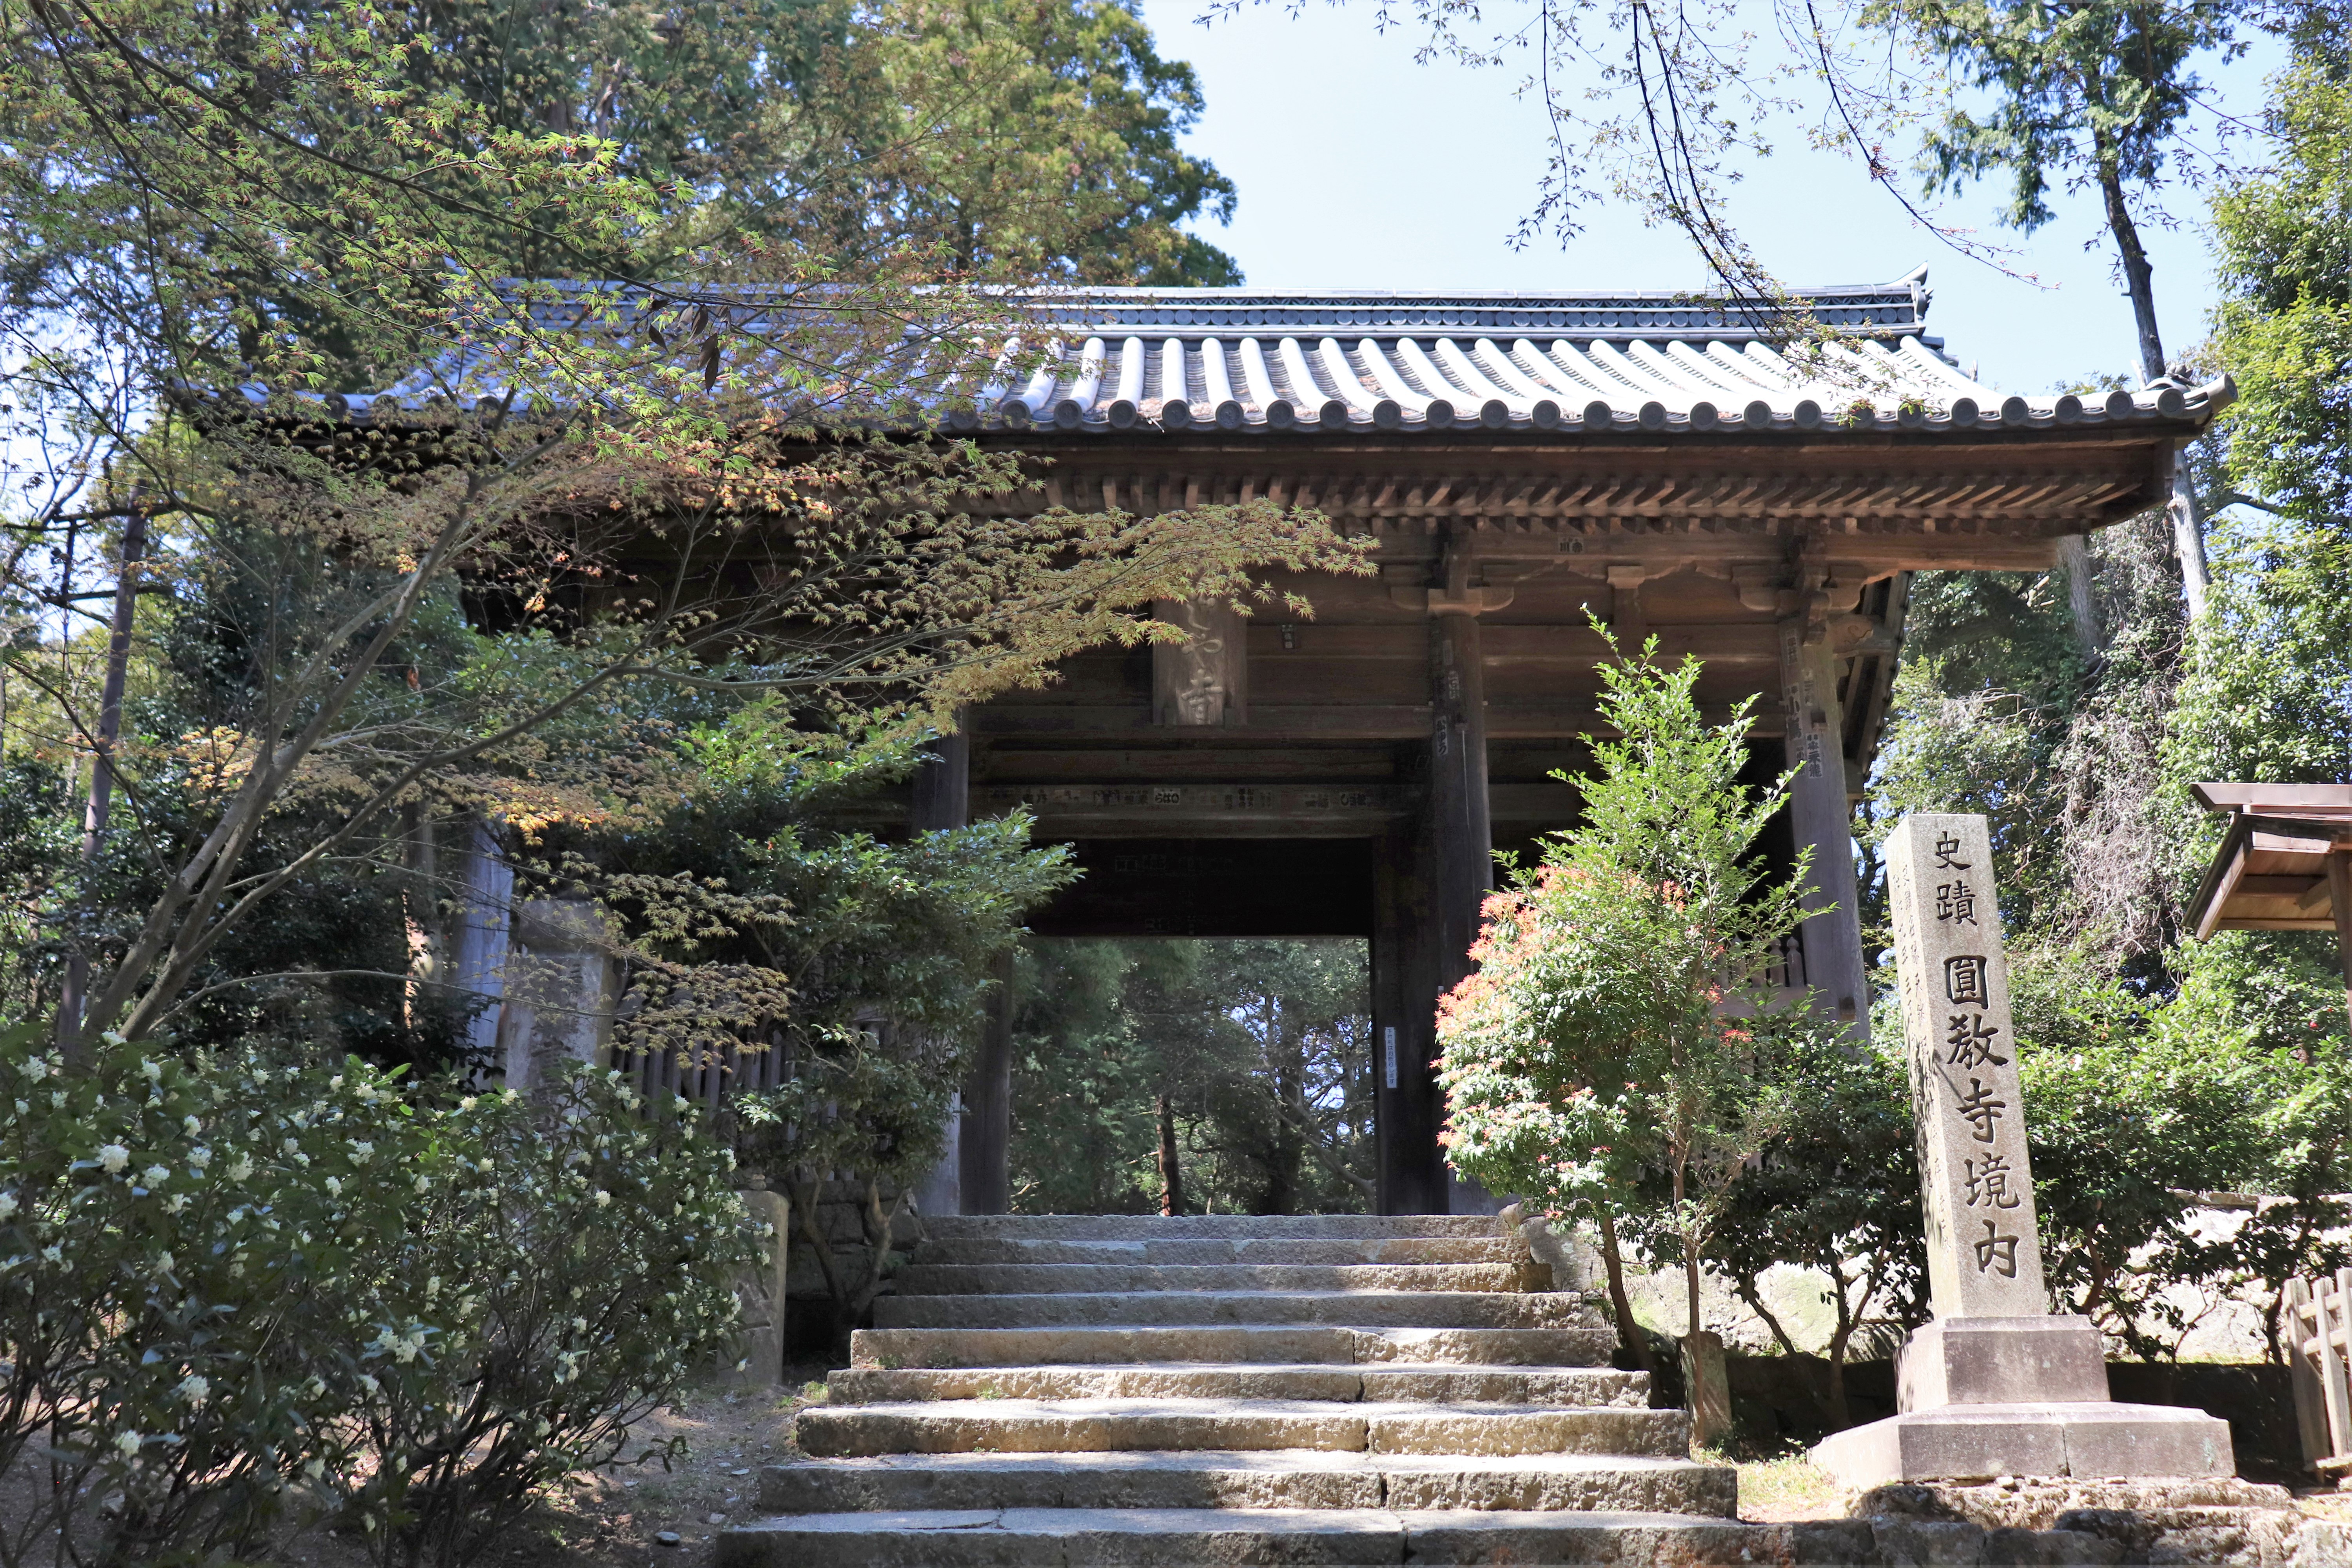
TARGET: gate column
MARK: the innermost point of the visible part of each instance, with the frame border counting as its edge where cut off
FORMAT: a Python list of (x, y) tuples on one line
[(1430, 889)]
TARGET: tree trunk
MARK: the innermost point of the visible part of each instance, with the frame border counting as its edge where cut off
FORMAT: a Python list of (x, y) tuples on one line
[(1629, 1333), (1172, 1175), (101, 770), (2187, 523), (2075, 560)]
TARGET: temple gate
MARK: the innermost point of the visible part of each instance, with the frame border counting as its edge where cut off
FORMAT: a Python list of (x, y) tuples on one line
[(1523, 463)]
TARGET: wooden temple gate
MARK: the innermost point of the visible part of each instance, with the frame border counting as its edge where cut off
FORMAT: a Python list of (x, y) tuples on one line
[(1522, 463)]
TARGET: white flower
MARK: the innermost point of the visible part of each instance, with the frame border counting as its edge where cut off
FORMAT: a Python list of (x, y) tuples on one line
[(240, 1168), (175, 1203), (199, 1156), (579, 1325), (334, 1082), (432, 1286), (128, 1442), (53, 1254), (191, 1124), (38, 1068), (423, 1186), (112, 1036), (289, 1146), (361, 1153), (368, 1382), (334, 1188), (367, 1094), (604, 1199), (8, 1205), (484, 1164), (467, 1103), (113, 1157), (57, 1100), (194, 1390), (157, 1175), (152, 1071)]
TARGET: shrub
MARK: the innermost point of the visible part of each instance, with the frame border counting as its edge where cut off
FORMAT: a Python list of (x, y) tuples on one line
[(567, 1272), (182, 1243), (234, 1292)]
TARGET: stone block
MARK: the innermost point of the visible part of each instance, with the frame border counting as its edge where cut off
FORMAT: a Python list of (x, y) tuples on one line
[(2001, 1360), (1963, 1442)]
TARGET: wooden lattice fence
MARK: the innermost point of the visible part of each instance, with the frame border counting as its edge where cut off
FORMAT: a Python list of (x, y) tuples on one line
[(2319, 1324)]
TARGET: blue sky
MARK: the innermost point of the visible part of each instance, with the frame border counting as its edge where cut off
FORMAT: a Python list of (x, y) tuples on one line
[(1359, 168)]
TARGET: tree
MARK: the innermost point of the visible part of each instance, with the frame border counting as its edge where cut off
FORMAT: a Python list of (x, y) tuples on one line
[(1619, 1019), (1835, 1191), (2285, 328), (612, 497), (2092, 93), (1194, 1076)]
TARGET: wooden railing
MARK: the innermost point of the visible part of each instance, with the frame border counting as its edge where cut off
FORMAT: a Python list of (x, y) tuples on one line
[(2319, 1330)]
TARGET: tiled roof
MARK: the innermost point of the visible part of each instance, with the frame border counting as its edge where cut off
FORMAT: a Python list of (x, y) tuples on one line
[(1140, 361)]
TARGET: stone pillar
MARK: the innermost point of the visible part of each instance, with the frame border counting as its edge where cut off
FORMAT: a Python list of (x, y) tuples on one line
[(561, 984), (1821, 814), (1997, 1384), (760, 1294), (482, 924), (942, 799)]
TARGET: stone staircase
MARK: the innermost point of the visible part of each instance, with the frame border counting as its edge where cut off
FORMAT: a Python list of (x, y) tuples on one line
[(1325, 1389)]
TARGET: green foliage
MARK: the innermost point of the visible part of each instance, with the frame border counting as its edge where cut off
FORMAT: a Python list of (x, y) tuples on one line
[(2086, 90), (1260, 1048), (1836, 1190), (2285, 328), (189, 1251), (240, 1292), (561, 1281), (1592, 1043)]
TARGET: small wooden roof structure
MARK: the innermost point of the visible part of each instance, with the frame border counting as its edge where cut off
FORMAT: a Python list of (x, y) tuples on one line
[(2285, 864), (2273, 869)]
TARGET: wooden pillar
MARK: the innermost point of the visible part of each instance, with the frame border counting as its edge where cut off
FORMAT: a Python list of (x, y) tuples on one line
[(984, 1151), (944, 785), (1460, 832), (1412, 1176), (942, 799), (1820, 812), (2339, 892)]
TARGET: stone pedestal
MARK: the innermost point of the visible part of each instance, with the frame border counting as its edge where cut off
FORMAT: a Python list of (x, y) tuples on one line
[(1997, 1384), (2056, 1360), (2085, 1439), (1981, 1397)]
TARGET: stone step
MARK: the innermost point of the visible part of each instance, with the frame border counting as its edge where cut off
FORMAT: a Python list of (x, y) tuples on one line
[(1069, 1538), (1270, 1479), (1083, 1425), (1213, 1250), (1585, 1345), (1580, 1386), (1375, 1309), (1070, 1279), (1197, 1227)]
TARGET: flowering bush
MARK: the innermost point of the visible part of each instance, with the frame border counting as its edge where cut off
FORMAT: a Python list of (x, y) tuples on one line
[(182, 1241), (232, 1290), (567, 1270)]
